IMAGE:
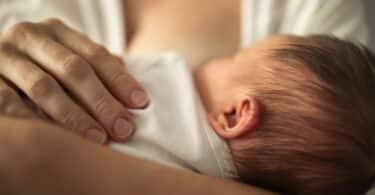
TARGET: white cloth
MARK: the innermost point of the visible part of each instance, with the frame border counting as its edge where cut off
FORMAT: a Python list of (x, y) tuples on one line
[(103, 20), (173, 129), (342, 18)]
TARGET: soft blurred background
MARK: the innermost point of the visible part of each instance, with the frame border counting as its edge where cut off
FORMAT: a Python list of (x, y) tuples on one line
[(370, 11)]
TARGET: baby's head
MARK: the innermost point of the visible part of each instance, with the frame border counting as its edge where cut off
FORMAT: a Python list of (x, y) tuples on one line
[(298, 113)]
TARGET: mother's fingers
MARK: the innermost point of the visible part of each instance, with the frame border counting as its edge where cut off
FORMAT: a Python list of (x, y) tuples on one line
[(109, 68), (78, 77), (11, 103), (44, 91)]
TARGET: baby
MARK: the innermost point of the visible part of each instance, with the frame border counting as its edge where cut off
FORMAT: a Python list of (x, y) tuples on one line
[(291, 114)]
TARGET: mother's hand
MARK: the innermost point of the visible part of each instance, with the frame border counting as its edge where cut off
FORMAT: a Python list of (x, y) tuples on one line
[(77, 82)]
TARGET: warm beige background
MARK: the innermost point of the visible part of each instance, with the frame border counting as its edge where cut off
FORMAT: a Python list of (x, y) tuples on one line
[(370, 15)]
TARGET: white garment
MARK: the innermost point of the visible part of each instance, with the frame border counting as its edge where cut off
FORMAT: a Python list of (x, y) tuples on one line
[(103, 21), (342, 18), (173, 129)]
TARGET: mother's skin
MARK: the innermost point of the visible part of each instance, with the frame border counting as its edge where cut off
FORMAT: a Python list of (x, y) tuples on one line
[(197, 29), (38, 158)]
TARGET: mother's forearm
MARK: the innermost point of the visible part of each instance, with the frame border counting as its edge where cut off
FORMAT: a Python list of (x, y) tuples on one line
[(58, 162)]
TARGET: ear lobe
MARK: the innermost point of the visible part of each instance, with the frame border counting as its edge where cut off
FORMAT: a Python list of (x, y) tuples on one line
[(242, 119)]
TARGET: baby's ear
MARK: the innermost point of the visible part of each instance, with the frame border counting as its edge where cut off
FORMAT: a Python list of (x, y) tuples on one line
[(242, 118)]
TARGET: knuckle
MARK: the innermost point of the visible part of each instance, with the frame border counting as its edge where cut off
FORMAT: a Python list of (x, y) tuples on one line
[(74, 66), (119, 79), (23, 27), (11, 105), (52, 22), (44, 43), (7, 50), (104, 106), (97, 53), (74, 120), (20, 29), (5, 47), (42, 86)]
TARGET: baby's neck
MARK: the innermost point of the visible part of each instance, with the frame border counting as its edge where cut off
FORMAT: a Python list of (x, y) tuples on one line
[(199, 30)]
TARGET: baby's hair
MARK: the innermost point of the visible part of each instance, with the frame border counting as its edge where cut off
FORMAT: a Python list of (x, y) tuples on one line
[(317, 132)]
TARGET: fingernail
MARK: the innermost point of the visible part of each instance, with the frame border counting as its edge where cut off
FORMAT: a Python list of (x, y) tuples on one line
[(139, 98), (96, 135), (122, 128)]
